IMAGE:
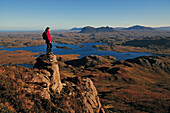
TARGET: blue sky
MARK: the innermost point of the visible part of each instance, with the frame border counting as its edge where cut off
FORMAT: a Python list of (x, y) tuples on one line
[(65, 14)]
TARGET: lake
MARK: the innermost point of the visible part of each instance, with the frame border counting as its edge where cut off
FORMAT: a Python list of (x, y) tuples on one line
[(87, 50)]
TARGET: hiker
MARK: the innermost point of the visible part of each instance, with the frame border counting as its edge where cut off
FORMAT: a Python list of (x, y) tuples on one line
[(47, 37)]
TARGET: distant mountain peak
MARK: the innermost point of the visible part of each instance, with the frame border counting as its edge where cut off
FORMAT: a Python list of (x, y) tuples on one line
[(167, 28), (89, 29), (139, 27), (76, 28)]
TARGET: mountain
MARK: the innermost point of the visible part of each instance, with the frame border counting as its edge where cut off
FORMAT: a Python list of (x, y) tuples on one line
[(75, 28), (138, 27), (89, 29), (163, 28)]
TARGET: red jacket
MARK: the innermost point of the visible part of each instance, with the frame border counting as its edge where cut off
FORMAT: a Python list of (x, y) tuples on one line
[(48, 36)]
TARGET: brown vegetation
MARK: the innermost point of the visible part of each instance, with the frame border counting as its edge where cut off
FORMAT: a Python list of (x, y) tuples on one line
[(121, 40), (156, 45), (40, 89), (20, 39), (17, 57), (135, 85)]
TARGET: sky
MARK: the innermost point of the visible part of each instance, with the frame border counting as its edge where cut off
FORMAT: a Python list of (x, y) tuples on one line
[(66, 14)]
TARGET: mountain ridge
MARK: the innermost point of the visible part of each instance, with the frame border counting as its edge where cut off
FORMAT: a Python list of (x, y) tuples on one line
[(138, 27), (89, 29), (134, 27), (163, 28)]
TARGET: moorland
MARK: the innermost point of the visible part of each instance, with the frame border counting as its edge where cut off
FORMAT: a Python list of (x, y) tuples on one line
[(134, 85), (123, 40)]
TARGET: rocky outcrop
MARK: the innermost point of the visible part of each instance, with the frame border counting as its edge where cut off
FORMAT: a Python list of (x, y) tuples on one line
[(152, 62), (45, 76), (84, 92), (76, 94), (50, 64), (91, 61), (145, 78), (38, 82)]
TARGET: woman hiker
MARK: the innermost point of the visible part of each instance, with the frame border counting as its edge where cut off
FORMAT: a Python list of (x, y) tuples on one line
[(47, 38)]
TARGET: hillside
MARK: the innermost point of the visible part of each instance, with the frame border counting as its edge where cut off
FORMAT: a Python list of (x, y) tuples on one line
[(134, 85), (156, 45), (162, 42), (41, 90)]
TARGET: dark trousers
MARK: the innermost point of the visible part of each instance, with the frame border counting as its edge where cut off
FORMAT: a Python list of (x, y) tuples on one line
[(49, 47)]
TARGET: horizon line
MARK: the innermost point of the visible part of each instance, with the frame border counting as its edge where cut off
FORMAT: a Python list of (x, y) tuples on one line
[(55, 29)]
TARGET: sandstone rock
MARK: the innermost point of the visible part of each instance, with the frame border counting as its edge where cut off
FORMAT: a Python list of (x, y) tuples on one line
[(49, 63), (45, 76), (74, 94), (38, 83), (86, 91)]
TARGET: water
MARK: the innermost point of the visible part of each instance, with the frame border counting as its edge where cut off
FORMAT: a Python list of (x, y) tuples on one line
[(23, 65), (87, 50)]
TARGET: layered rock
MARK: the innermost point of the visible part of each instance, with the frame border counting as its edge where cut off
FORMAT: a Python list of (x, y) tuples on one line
[(50, 64), (45, 77), (81, 91), (38, 82)]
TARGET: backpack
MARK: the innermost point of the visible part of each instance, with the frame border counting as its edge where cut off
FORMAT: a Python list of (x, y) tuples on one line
[(44, 35)]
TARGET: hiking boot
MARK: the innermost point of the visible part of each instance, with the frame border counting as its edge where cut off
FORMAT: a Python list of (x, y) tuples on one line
[(49, 53)]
